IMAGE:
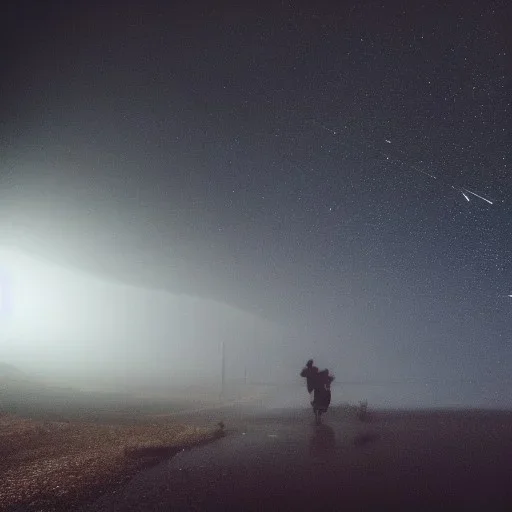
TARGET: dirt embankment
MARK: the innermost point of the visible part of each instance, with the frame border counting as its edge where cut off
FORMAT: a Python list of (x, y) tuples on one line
[(50, 465)]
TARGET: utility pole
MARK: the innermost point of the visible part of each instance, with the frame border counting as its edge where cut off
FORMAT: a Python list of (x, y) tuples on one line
[(223, 370)]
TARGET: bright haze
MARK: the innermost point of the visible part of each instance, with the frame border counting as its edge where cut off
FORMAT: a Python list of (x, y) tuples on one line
[(294, 180)]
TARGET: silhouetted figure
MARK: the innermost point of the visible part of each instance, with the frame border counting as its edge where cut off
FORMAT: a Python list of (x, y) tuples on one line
[(320, 383), (322, 396), (310, 373)]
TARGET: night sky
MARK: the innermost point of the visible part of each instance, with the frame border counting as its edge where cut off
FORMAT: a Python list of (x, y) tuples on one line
[(319, 165)]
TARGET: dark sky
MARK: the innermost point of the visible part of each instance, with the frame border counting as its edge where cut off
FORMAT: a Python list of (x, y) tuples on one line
[(242, 153)]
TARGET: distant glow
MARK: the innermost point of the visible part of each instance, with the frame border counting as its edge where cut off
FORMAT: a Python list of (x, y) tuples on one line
[(41, 298), (5, 302), (69, 324)]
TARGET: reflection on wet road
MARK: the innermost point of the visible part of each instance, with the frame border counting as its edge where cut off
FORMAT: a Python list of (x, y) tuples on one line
[(281, 461), (322, 441)]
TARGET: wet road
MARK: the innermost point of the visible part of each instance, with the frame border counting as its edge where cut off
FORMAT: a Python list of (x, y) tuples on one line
[(281, 461)]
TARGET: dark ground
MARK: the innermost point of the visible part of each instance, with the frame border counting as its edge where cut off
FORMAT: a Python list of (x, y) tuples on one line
[(279, 460)]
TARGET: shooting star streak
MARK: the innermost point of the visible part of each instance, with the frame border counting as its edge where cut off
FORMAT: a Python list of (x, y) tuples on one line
[(402, 163), (476, 195), (424, 172), (325, 128)]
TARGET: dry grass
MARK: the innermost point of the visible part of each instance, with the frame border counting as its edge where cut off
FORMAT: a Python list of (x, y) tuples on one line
[(56, 465)]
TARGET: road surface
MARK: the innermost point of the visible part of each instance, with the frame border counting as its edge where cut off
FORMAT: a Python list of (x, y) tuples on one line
[(280, 460)]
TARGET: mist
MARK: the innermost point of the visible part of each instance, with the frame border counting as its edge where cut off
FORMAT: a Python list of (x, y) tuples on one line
[(164, 195), (75, 328), (72, 327)]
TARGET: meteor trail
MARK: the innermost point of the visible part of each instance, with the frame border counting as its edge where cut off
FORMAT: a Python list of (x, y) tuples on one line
[(424, 172), (325, 128), (480, 197), (402, 163)]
